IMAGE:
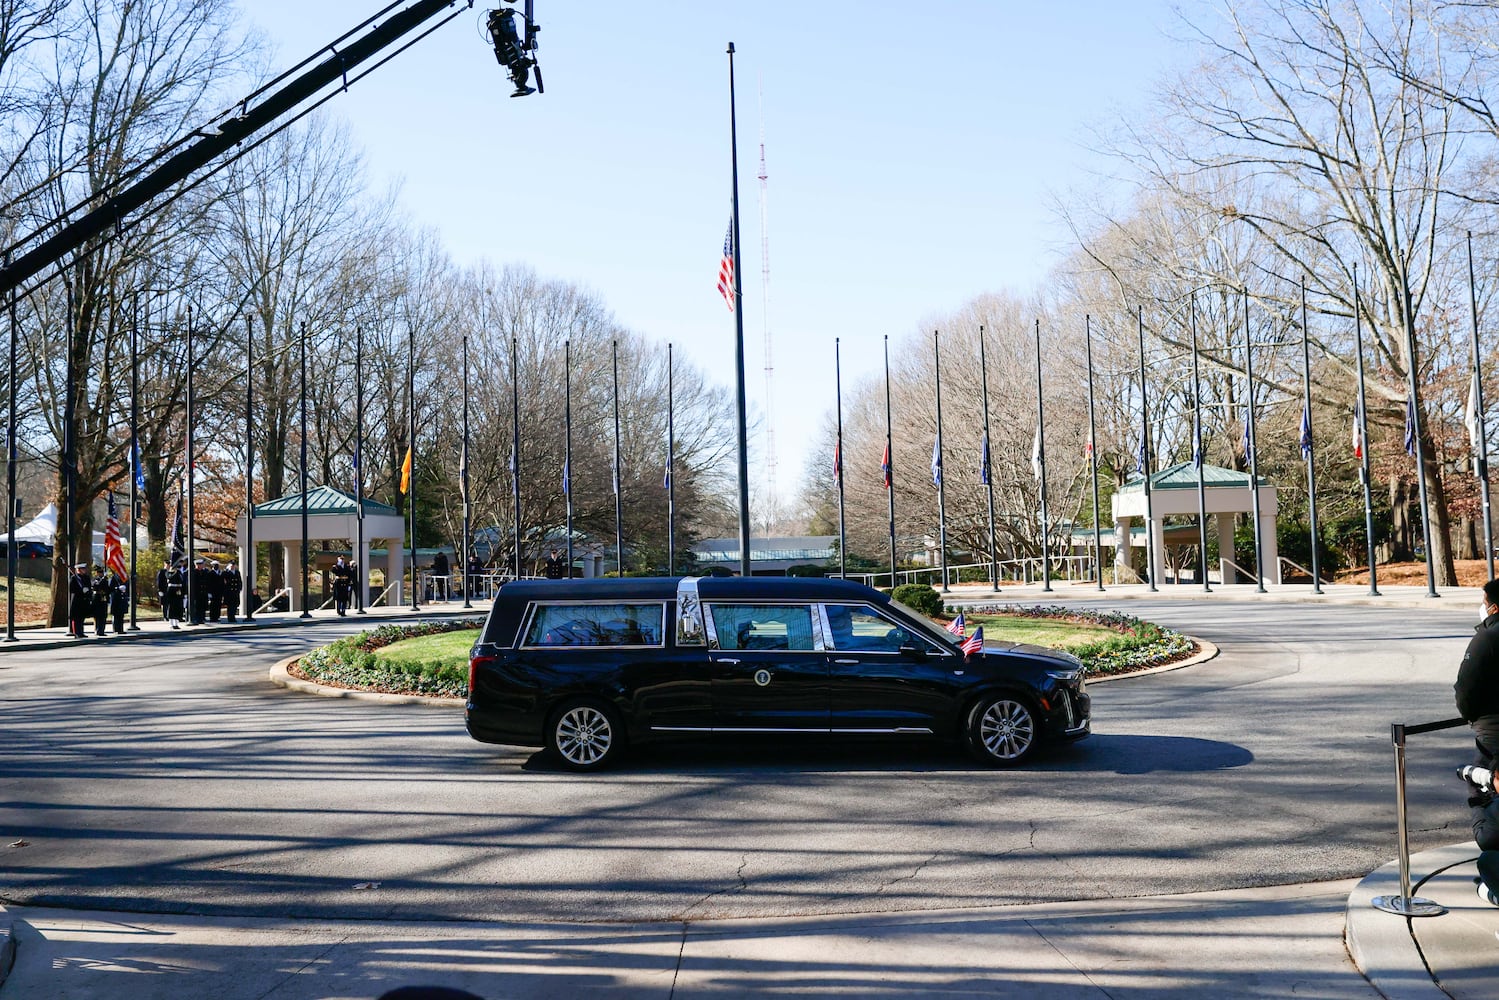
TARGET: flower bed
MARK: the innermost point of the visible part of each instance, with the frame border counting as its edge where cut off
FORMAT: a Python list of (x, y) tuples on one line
[(354, 662), (1139, 645)]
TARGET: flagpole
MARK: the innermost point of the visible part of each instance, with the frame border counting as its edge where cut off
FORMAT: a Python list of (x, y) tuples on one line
[(135, 449), (741, 406), (619, 527), (1252, 453), (1092, 453), (1198, 458), (671, 483), (361, 556), (463, 470), (838, 459), (1480, 432), (10, 487), (889, 472), (248, 561), (191, 462), (1414, 412), (1307, 446), (937, 468), (515, 443), (1363, 434), (1041, 453), (567, 446), (411, 454), (1145, 457), (985, 471), (306, 611)]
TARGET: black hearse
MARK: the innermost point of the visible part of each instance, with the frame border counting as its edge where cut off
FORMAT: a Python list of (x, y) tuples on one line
[(584, 667)]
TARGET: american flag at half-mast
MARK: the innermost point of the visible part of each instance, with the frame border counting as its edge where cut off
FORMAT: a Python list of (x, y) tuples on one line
[(885, 465), (726, 267), (957, 626), (1358, 431), (114, 553), (974, 643), (838, 459)]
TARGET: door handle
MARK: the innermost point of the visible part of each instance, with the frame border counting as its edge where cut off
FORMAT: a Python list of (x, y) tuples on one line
[(734, 662), (846, 662)]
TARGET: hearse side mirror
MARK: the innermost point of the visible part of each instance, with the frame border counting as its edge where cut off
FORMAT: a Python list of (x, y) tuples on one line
[(912, 652)]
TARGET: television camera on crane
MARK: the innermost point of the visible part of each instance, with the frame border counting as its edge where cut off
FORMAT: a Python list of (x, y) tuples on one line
[(514, 51)]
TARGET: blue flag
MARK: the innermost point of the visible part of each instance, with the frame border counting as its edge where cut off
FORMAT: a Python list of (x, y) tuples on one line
[(937, 462), (1143, 458), (140, 474), (666, 477), (1410, 426), (566, 478), (984, 461), (1306, 432)]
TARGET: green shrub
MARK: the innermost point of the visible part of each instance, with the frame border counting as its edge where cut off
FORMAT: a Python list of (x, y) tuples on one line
[(806, 570), (919, 597)]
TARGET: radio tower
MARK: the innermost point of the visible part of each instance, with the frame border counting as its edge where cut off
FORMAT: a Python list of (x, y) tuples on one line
[(772, 510)]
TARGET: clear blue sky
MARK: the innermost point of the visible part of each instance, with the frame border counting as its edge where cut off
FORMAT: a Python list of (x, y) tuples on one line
[(912, 149)]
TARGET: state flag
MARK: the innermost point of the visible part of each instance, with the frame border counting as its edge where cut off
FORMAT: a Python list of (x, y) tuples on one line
[(984, 460), (1410, 426), (1306, 432), (937, 462), (406, 473)]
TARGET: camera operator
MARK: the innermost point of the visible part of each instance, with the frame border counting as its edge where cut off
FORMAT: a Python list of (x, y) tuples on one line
[(1477, 686), (1485, 806)]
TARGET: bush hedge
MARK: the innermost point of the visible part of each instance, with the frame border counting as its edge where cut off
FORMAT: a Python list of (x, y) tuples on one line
[(1139, 645), (354, 662), (919, 597)]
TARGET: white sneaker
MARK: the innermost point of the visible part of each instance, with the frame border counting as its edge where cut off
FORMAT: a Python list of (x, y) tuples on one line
[(1487, 895)]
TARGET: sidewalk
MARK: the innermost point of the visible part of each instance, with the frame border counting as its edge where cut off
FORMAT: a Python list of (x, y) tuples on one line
[(58, 638), (1450, 598)]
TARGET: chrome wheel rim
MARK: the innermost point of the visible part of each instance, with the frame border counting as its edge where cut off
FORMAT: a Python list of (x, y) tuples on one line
[(1006, 730), (584, 735)]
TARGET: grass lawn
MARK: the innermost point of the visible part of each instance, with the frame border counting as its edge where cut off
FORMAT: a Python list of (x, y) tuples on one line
[(1040, 631), (450, 647)]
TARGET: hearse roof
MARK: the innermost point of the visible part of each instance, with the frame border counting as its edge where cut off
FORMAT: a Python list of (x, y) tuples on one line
[(709, 588)]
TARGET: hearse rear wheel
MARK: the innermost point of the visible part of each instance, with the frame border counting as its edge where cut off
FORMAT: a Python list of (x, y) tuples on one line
[(585, 735)]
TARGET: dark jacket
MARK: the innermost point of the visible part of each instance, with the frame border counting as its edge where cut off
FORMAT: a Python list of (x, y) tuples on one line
[(1477, 686), (119, 594)]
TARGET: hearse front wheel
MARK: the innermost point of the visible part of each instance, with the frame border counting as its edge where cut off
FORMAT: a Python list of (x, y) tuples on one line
[(585, 735), (1001, 730)]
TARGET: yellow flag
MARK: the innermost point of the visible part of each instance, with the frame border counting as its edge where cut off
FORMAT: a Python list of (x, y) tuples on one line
[(406, 473)]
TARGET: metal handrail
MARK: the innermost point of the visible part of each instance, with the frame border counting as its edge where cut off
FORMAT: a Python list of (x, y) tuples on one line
[(1249, 573), (283, 591), (1405, 904), (1292, 562)]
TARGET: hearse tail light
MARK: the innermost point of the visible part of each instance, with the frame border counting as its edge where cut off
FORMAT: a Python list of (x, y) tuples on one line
[(473, 669)]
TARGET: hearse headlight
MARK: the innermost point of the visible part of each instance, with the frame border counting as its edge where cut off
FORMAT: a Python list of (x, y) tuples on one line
[(1072, 675)]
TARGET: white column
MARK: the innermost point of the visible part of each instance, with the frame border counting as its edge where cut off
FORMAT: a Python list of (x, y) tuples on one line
[(1123, 549), (1269, 550), (1156, 547), (291, 553), (395, 565), (362, 567), (248, 569), (1225, 546)]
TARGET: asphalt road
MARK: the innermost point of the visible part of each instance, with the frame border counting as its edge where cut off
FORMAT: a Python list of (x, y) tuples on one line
[(172, 777)]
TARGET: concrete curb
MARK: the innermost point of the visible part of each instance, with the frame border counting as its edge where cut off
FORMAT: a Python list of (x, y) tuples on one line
[(282, 677), (7, 946), (1206, 652), (1383, 945)]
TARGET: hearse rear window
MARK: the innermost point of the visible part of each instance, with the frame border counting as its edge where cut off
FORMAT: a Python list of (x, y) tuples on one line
[(763, 626), (596, 625)]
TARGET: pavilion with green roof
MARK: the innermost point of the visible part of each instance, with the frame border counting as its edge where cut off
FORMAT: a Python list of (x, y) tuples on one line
[(1173, 493), (331, 514)]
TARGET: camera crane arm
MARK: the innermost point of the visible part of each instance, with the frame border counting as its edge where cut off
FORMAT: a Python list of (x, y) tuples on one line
[(242, 122)]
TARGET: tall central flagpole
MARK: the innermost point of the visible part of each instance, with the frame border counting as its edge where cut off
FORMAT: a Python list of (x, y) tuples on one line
[(838, 458), (741, 405), (1479, 431), (192, 523), (515, 442), (248, 562), (10, 486), (463, 558), (986, 474), (411, 453), (937, 467), (671, 485), (1092, 453), (1143, 463), (567, 445), (306, 541), (361, 555), (135, 451), (888, 465), (1251, 449), (1041, 469), (1308, 449), (1361, 429), (1415, 432), (1198, 458), (619, 524)]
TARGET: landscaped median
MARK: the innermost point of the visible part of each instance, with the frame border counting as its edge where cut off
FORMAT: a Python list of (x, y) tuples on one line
[(430, 659)]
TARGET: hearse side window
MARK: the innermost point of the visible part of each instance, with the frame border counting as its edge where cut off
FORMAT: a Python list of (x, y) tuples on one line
[(763, 626), (856, 628), (596, 625)]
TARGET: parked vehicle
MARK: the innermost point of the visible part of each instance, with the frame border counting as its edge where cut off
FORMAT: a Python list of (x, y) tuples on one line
[(585, 668)]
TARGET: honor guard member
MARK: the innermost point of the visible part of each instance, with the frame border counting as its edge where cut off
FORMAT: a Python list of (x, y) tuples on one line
[(215, 589), (100, 588), (119, 600), (176, 593), (231, 584), (198, 613), (80, 601), (163, 578), (343, 586)]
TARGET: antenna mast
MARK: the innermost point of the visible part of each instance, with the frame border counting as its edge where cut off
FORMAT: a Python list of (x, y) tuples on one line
[(772, 509)]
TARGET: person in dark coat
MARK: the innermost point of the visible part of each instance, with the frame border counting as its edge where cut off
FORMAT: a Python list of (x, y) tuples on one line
[(1485, 808), (163, 576), (440, 571), (99, 587), (556, 566), (80, 601), (215, 586), (231, 585), (119, 600), (176, 593), (471, 581), (343, 586), (198, 614), (1476, 690)]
